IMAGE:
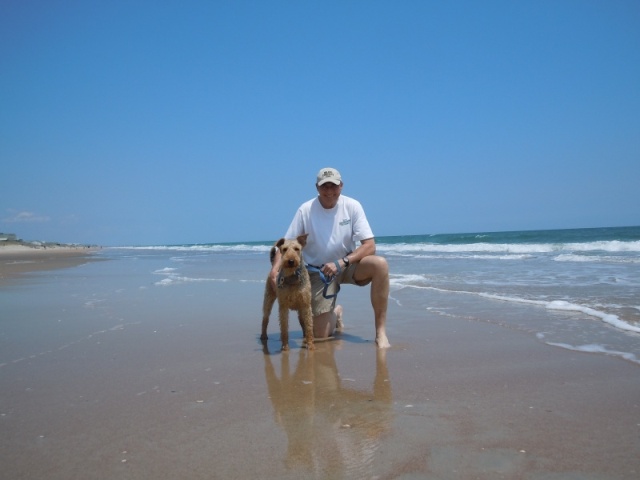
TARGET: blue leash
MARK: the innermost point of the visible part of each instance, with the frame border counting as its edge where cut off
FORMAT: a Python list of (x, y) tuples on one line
[(327, 282)]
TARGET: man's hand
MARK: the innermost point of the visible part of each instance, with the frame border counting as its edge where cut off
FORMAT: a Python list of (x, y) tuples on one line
[(273, 274), (330, 270)]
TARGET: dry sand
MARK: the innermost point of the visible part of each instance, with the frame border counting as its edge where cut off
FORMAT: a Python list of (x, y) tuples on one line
[(174, 383)]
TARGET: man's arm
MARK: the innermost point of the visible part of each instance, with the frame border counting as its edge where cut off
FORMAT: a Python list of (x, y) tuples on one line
[(273, 274), (367, 247)]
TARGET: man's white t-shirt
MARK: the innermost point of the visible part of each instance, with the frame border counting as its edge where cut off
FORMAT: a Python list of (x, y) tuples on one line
[(332, 232)]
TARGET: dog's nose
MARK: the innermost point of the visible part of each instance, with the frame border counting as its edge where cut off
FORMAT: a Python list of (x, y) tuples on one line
[(291, 263)]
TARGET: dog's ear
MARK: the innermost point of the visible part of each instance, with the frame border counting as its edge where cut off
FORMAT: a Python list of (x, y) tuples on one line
[(280, 242), (302, 239)]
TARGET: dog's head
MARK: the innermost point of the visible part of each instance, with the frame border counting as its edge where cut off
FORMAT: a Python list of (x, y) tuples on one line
[(291, 252), (302, 240)]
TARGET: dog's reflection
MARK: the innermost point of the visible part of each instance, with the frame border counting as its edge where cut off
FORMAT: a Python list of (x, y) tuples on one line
[(333, 425)]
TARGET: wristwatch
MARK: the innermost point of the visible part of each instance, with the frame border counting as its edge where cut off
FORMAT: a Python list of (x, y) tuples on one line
[(345, 259)]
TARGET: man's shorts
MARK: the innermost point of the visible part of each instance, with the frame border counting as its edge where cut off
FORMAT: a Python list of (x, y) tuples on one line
[(319, 303)]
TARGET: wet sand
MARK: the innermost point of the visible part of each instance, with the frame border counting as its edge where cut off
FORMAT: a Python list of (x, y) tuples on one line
[(17, 260), (103, 375)]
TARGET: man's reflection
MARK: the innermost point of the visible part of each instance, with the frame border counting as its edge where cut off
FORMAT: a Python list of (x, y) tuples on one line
[(332, 428)]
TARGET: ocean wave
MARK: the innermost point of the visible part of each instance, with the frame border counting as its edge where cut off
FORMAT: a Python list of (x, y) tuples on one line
[(420, 282), (595, 348), (172, 278), (175, 279), (608, 318), (519, 256), (422, 248), (613, 246), (165, 271), (412, 248), (571, 257), (406, 280)]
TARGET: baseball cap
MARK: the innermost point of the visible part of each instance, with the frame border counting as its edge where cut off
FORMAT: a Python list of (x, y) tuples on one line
[(328, 175)]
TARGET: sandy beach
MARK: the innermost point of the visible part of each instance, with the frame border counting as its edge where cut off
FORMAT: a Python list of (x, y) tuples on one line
[(106, 374), (16, 260)]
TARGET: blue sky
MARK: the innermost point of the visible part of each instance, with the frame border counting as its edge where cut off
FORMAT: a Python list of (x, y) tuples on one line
[(158, 122)]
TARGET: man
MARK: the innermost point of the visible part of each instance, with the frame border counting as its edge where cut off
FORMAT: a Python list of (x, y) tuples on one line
[(335, 223)]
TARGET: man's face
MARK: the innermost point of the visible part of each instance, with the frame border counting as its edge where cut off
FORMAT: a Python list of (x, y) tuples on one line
[(328, 193)]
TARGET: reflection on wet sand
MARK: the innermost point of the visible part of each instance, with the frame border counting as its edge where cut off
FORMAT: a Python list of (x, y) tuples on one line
[(332, 429)]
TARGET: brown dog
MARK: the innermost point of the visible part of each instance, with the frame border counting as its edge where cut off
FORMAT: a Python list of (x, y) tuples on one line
[(293, 291)]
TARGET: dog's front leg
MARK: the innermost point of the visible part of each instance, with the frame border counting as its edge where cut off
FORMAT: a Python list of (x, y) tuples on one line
[(267, 305), (306, 321), (284, 327)]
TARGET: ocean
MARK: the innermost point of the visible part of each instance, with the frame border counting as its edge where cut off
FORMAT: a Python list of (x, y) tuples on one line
[(577, 289)]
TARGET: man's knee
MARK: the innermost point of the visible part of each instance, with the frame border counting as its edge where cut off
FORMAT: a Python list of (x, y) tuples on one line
[(381, 265), (370, 268), (324, 324)]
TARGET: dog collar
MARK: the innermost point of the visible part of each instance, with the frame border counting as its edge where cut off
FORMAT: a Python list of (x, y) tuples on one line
[(291, 279)]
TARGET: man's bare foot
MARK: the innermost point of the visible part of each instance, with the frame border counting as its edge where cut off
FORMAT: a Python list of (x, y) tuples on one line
[(339, 322), (382, 341)]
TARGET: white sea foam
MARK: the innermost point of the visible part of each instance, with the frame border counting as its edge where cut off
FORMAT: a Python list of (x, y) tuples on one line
[(175, 279), (609, 318), (512, 299), (594, 348), (571, 257), (507, 250), (510, 248), (604, 246), (419, 281), (165, 271), (522, 256), (398, 279)]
